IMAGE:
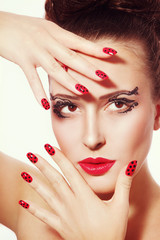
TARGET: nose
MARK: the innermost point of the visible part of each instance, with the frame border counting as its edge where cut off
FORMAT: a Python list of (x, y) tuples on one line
[(93, 137)]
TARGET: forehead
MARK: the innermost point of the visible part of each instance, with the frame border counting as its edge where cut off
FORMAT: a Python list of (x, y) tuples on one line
[(126, 70)]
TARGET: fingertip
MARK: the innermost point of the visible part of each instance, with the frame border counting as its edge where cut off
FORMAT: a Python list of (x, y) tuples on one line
[(24, 204), (82, 89), (32, 157), (131, 168), (45, 103), (49, 149), (104, 52), (109, 51)]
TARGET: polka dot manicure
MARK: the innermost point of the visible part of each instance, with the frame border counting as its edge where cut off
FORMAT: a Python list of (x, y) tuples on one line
[(32, 157), (81, 88), (101, 74), (131, 168), (49, 149), (109, 51), (45, 104), (26, 177), (24, 204)]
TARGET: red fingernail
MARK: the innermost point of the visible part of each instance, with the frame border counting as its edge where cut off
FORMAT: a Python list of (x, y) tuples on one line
[(24, 204), (49, 149), (65, 67), (131, 168), (81, 88), (32, 157), (101, 74), (26, 177), (45, 104), (109, 51)]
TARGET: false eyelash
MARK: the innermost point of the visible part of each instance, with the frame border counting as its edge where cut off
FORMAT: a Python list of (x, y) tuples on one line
[(63, 103), (125, 101), (130, 108), (59, 105)]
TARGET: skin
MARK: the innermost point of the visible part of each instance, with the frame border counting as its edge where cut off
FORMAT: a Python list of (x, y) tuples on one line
[(47, 53), (96, 134), (100, 128)]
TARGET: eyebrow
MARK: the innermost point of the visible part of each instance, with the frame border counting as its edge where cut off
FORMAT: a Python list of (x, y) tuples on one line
[(109, 95), (64, 96), (122, 92)]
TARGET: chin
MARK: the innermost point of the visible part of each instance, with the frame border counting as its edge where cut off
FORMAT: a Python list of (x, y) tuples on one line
[(102, 187)]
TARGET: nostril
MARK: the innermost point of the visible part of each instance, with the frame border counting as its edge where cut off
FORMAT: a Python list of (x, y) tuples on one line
[(93, 145), (99, 145)]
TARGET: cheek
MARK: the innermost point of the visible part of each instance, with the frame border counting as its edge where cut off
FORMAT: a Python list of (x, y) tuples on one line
[(133, 134), (67, 133)]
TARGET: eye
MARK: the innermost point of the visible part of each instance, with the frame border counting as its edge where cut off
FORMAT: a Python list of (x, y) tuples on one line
[(69, 108), (117, 105), (121, 105)]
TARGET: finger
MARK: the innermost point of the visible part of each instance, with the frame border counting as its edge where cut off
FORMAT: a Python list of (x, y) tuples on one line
[(44, 215), (90, 48), (53, 68), (56, 180), (46, 193), (36, 85), (76, 181), (124, 182), (73, 60), (78, 43)]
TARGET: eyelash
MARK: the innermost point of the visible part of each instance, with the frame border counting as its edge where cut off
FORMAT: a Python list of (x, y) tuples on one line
[(63, 103), (126, 102)]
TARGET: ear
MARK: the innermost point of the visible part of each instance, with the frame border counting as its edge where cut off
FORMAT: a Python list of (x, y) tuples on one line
[(157, 116)]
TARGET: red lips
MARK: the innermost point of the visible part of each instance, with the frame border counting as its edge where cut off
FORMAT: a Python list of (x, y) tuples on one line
[(96, 166)]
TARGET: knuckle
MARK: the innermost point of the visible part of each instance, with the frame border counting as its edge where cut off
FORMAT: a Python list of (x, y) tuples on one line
[(126, 184), (53, 67), (35, 212), (38, 30), (71, 54), (57, 182), (44, 218), (43, 168), (50, 199)]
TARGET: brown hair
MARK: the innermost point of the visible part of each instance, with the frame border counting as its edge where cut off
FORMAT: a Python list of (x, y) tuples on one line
[(118, 19)]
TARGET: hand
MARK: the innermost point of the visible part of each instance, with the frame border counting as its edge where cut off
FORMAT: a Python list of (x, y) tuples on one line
[(76, 212), (35, 42)]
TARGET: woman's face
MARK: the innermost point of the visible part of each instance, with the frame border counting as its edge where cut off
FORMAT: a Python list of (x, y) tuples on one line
[(115, 121)]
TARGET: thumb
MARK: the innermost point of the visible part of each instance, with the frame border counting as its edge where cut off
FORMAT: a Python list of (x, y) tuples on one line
[(124, 181)]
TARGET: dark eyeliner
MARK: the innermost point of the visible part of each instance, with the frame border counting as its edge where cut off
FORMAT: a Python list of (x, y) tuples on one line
[(59, 105), (126, 102), (131, 107)]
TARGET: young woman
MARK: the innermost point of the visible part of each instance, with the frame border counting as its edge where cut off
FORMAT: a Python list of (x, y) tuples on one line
[(104, 130)]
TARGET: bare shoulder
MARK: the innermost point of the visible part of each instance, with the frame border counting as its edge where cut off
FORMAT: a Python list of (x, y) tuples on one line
[(12, 189)]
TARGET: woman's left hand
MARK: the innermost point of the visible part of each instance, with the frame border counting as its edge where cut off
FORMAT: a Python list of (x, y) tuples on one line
[(76, 212)]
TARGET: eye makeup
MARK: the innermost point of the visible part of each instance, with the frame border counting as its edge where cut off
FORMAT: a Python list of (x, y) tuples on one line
[(124, 101), (60, 104), (130, 104), (122, 105)]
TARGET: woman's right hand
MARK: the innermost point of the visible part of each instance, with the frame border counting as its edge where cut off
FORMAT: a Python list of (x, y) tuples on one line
[(34, 42)]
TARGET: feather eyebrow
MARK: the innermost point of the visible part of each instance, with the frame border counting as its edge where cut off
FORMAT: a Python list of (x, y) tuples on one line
[(53, 97), (122, 92), (106, 96)]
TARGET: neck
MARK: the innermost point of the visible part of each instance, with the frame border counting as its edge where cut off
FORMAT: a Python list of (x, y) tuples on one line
[(144, 189)]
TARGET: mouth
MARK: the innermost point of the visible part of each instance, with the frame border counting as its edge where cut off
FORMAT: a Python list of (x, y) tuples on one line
[(96, 166)]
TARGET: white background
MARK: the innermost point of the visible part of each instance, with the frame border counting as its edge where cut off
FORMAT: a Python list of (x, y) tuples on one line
[(24, 125)]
